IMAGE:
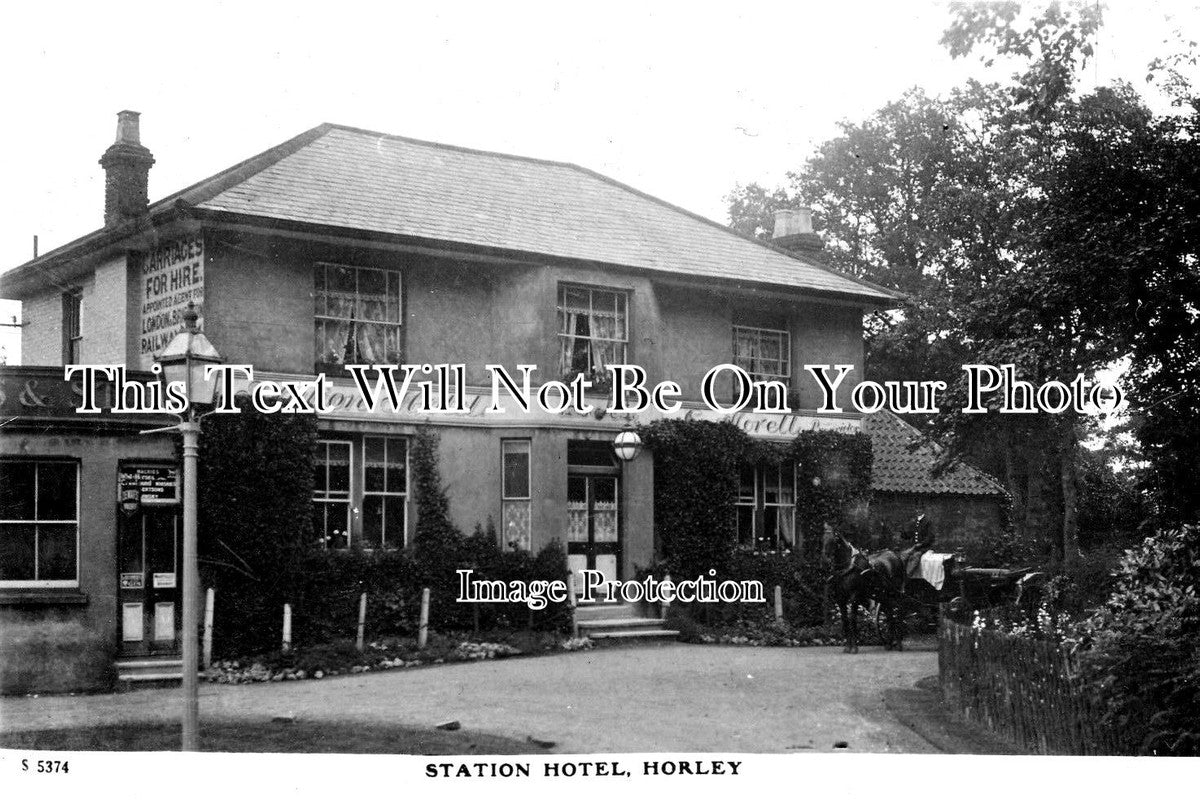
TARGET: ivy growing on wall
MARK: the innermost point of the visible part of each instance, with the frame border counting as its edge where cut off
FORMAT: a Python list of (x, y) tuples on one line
[(436, 539), (255, 487), (833, 482), (697, 468)]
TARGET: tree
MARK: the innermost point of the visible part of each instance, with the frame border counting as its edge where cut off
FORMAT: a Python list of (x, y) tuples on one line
[(1027, 226)]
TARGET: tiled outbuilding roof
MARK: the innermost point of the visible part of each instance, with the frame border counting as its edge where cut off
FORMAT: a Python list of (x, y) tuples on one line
[(904, 461), (360, 181)]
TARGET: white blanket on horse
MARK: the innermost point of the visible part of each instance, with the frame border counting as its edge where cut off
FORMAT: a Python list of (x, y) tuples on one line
[(933, 568)]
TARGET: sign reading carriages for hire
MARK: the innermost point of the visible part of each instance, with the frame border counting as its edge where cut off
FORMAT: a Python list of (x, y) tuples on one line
[(172, 276)]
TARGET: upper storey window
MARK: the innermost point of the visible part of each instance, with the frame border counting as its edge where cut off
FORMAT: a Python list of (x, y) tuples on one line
[(593, 330), (357, 316), (765, 353), (72, 303)]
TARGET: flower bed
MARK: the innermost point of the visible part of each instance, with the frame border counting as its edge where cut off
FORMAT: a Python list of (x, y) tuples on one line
[(342, 658), (753, 634)]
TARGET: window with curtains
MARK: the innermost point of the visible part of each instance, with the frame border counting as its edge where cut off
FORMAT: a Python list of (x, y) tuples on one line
[(515, 496), (385, 491), (593, 330), (357, 316), (39, 523), (766, 507), (765, 353), (331, 494)]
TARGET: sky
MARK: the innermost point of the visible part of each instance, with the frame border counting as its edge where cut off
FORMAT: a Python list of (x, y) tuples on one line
[(681, 100)]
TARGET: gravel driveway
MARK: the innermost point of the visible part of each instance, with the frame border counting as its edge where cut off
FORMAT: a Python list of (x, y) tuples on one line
[(669, 698)]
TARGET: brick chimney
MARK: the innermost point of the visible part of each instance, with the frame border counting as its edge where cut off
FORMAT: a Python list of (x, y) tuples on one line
[(794, 232), (127, 169)]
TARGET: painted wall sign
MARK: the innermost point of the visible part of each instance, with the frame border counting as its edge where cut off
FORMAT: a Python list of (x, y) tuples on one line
[(164, 580), (345, 403), (41, 392), (131, 580), (153, 483), (172, 276)]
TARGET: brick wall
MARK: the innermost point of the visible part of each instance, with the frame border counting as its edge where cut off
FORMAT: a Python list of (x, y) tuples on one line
[(958, 520)]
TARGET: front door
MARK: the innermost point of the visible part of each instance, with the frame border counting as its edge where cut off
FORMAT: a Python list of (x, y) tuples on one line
[(148, 588), (593, 527)]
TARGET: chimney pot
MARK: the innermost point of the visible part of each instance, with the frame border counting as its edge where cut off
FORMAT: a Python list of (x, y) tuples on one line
[(794, 232), (792, 221), (128, 128)]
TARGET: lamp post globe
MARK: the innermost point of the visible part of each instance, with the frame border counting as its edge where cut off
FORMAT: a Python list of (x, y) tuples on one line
[(627, 445), (184, 359)]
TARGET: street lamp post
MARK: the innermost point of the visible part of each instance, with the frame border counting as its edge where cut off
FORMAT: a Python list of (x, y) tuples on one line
[(184, 361)]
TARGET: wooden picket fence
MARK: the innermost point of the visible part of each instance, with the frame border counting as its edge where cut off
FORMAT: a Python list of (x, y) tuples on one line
[(1026, 690)]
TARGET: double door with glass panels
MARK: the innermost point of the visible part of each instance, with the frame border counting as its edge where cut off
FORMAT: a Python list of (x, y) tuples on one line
[(593, 526), (149, 559)]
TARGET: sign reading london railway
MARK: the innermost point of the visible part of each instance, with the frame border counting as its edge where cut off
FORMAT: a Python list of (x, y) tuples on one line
[(172, 276)]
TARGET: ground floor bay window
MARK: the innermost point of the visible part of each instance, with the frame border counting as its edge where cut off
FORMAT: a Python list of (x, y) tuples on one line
[(766, 507)]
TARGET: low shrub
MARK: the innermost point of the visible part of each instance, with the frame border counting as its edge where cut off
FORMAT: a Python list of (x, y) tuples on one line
[(802, 585), (1140, 652)]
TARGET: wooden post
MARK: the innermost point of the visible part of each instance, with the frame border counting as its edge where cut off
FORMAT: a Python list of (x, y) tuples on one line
[(571, 601), (208, 626), (423, 626), (362, 621), (287, 627), (778, 604)]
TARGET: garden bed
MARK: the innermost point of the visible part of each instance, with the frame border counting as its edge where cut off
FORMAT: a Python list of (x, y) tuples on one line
[(317, 662)]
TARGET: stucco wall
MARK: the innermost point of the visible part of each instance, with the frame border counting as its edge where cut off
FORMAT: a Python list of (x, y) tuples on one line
[(58, 648), (41, 336), (258, 310), (105, 308), (826, 334), (469, 460)]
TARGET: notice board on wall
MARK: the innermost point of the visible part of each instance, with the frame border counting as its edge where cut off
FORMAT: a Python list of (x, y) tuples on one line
[(153, 483)]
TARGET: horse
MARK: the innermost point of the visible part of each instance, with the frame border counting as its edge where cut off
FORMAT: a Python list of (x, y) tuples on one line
[(858, 577)]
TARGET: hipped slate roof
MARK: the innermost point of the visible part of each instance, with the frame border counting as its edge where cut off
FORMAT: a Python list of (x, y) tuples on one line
[(357, 180), (904, 461)]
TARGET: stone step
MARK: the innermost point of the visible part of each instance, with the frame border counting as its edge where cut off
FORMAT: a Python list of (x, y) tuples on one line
[(149, 663), (637, 634), (590, 611), (147, 677), (605, 624), (149, 673)]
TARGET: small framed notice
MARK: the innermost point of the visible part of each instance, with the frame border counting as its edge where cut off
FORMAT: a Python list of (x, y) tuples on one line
[(132, 580), (164, 580), (131, 622)]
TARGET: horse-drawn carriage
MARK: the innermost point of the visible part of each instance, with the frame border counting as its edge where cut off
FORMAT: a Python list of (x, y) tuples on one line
[(934, 579), (898, 590)]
